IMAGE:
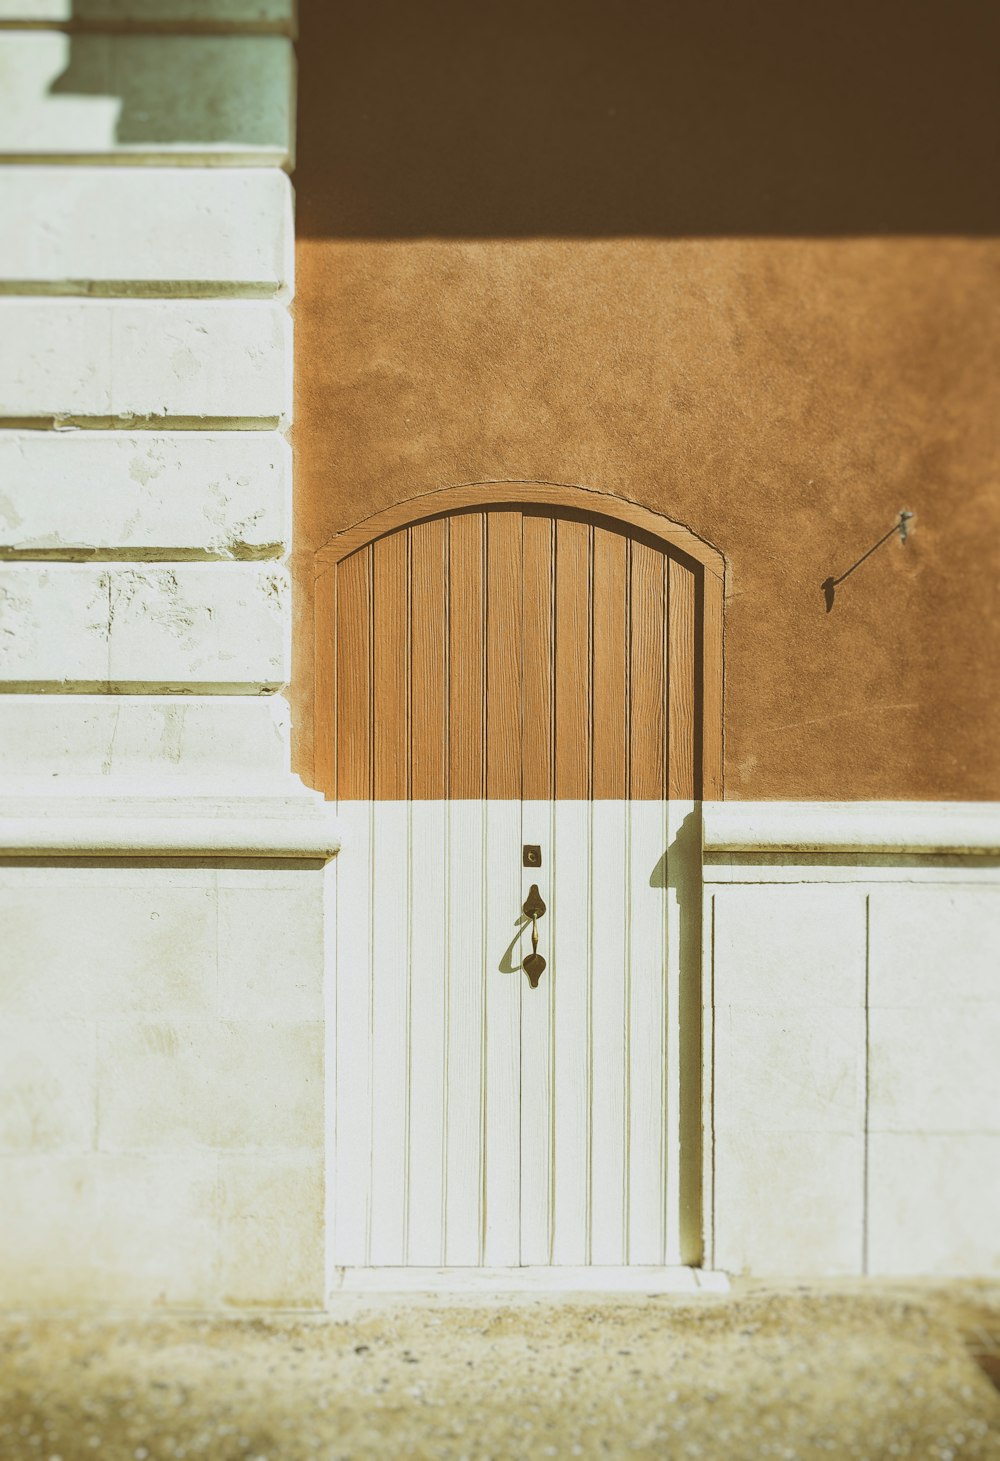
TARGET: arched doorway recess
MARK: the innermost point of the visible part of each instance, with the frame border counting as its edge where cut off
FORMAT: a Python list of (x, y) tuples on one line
[(518, 688)]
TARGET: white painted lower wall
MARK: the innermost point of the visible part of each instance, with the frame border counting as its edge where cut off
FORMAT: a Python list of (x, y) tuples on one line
[(853, 1014), (161, 1048), (166, 1108)]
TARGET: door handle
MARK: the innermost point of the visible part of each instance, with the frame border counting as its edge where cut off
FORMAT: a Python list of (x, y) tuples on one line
[(533, 908)]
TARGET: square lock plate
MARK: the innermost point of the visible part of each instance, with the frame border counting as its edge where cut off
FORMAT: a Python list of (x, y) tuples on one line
[(531, 855)]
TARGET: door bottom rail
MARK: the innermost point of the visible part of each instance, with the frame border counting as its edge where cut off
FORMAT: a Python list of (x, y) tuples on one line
[(540, 1279)]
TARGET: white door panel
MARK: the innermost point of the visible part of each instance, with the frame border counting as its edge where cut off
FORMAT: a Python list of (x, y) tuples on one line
[(478, 1121), (390, 1000), (536, 1050), (502, 1003), (648, 974), (568, 950), (429, 989), (351, 1119), (465, 1042), (609, 1015)]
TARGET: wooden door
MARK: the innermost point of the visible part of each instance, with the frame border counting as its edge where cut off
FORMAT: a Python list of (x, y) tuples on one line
[(502, 667)]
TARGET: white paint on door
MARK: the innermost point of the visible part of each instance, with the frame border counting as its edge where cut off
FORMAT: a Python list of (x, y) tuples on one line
[(478, 1122)]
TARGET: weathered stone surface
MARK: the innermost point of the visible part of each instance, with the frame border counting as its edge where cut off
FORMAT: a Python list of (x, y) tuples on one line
[(129, 1228), (151, 739), (161, 962), (161, 1133), (270, 949), (47, 1078), (129, 96), (816, 1227), (146, 494), (130, 230), (80, 359), (934, 1202), (271, 1229), (210, 626), (241, 1084)]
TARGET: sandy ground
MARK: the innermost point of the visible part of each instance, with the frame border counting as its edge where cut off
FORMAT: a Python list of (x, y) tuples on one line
[(797, 1373)]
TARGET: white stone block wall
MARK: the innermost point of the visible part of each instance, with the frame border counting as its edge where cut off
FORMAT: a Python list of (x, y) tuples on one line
[(853, 1023), (161, 957), (161, 1084)]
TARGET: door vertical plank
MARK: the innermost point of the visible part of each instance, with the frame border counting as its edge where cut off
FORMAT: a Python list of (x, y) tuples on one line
[(647, 750), (428, 660), (681, 686), (353, 975), (682, 1134), (572, 660), (537, 647), (465, 1011), (503, 655), (609, 909), (354, 676), (467, 655), (571, 975), (647, 925), (710, 739), (536, 1049), (502, 1122), (428, 946), (428, 882), (390, 927), (610, 666), (501, 1136), (390, 654)]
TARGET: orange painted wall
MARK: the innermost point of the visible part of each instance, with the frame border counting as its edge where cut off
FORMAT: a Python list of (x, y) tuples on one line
[(738, 263)]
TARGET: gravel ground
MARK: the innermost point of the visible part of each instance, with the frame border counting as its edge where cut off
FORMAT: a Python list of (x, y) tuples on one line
[(798, 1373)]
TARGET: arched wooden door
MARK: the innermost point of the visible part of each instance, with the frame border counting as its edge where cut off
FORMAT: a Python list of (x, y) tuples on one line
[(504, 668)]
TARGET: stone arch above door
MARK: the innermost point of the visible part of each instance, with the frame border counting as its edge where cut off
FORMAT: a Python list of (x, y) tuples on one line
[(519, 639)]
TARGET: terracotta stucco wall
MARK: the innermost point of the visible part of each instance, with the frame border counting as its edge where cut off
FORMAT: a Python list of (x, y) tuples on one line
[(735, 266)]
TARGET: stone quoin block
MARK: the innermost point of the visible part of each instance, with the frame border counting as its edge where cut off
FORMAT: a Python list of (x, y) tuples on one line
[(153, 494), (200, 624), (271, 1229), (138, 738), (791, 1070), (110, 359), (144, 1228), (161, 959), (47, 1083), (170, 1085), (135, 96), (131, 230), (156, 1227), (933, 945), (270, 961), (936, 1068), (789, 1203), (783, 948), (933, 1204)]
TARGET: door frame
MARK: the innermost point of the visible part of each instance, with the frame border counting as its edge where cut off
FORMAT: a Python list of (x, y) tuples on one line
[(709, 691)]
